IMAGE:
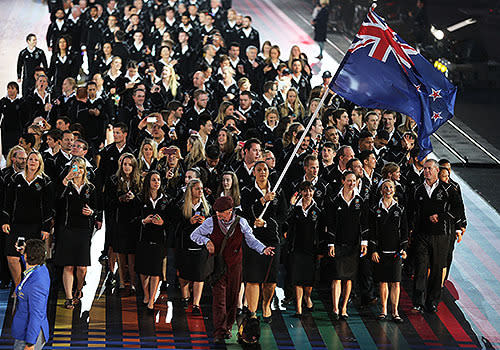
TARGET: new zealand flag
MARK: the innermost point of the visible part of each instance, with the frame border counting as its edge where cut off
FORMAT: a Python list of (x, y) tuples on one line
[(381, 71)]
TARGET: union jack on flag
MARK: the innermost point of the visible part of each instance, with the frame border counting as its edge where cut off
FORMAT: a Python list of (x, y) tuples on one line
[(380, 70)]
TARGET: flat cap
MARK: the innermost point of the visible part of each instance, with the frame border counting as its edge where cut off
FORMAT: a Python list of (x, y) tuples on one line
[(223, 203)]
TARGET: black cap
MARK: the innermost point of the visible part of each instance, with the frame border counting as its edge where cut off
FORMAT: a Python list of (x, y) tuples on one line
[(327, 74)]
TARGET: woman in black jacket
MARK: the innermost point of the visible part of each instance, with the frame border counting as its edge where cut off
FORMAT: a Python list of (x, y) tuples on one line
[(303, 244), (78, 199), (262, 269), (320, 23), (151, 248), (122, 193), (388, 243), (347, 228), (63, 64), (28, 209), (191, 257)]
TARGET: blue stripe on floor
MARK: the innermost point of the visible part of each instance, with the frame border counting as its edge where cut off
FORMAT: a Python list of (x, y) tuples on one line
[(4, 301)]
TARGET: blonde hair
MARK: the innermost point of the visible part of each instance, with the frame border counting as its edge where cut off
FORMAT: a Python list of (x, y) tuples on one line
[(187, 206), (229, 69), (291, 58), (222, 109), (242, 81), (298, 108), (80, 162), (141, 149), (40, 170), (11, 154), (197, 152), (172, 83), (271, 110)]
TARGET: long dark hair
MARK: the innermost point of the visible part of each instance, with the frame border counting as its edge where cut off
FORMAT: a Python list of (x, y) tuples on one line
[(146, 185)]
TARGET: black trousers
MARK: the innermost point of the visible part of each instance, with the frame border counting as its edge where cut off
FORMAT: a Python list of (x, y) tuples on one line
[(452, 239), (431, 252), (28, 86)]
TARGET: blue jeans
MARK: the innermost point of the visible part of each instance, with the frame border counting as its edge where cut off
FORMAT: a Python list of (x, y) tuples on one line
[(40, 342)]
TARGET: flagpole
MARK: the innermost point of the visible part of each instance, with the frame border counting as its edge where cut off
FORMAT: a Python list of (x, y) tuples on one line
[(304, 134)]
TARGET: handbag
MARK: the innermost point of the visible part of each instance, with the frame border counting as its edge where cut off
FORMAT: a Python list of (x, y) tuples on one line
[(216, 264)]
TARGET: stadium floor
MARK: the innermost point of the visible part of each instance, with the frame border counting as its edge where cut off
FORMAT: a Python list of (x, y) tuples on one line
[(468, 317), (123, 322)]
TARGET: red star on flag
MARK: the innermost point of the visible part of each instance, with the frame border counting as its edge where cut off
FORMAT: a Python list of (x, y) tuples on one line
[(435, 94), (436, 116)]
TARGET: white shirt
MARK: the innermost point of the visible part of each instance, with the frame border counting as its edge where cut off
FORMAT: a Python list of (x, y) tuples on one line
[(30, 182), (249, 171), (138, 47), (368, 176), (247, 31), (120, 149), (430, 189), (154, 202), (59, 23), (382, 205), (269, 101), (257, 187), (296, 79), (356, 193), (305, 211)]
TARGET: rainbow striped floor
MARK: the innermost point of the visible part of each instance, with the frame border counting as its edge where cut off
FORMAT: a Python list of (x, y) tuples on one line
[(123, 322)]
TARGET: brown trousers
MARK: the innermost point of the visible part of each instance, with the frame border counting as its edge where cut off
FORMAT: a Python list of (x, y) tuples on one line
[(225, 300)]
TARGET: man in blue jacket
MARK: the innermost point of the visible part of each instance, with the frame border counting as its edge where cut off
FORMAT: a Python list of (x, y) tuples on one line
[(30, 327)]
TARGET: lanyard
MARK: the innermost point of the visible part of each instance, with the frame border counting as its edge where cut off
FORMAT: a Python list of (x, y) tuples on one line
[(27, 274)]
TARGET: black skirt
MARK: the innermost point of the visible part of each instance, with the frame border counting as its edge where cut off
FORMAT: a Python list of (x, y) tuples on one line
[(73, 247), (344, 266), (388, 269), (260, 268), (302, 267), (191, 264), (124, 237), (149, 258), (16, 231)]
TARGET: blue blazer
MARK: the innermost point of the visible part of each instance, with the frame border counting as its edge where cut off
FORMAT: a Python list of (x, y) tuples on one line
[(31, 311)]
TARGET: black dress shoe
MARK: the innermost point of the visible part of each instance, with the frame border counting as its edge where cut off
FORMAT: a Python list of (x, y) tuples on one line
[(418, 308), (185, 302), (297, 315), (381, 317), (267, 320), (103, 259), (228, 335), (432, 309), (344, 317), (196, 310), (310, 309), (336, 316)]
